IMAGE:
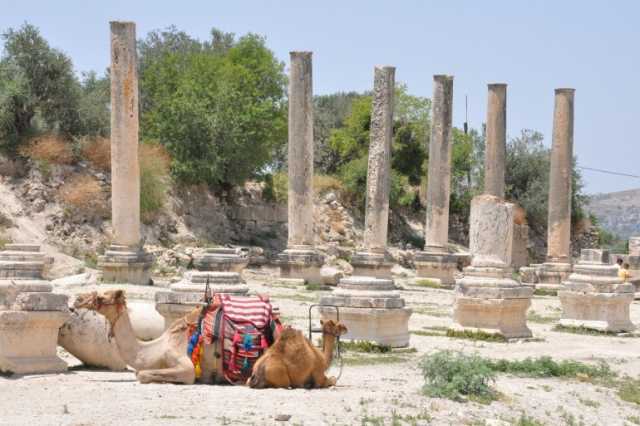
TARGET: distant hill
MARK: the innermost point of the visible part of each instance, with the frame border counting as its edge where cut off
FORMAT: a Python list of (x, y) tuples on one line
[(618, 212)]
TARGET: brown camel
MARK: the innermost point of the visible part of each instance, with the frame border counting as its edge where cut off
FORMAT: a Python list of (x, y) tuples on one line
[(293, 362), (163, 360)]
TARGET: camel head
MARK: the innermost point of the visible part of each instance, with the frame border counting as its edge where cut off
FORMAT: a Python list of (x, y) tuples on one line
[(333, 328), (110, 304)]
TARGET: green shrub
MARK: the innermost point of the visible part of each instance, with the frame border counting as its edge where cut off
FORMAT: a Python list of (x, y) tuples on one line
[(547, 367), (457, 376), (154, 169), (276, 187), (629, 390), (365, 346)]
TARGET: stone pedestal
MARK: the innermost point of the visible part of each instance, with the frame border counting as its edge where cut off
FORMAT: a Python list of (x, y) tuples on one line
[(439, 267), (488, 299), (550, 275), (594, 297), (220, 259), (372, 310), (301, 263), (371, 264), (126, 265), (189, 292), (30, 315)]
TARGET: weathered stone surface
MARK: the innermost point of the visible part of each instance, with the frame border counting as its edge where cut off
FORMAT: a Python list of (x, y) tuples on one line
[(519, 250), (122, 264), (372, 310), (559, 226), (440, 267), (594, 296), (496, 148), (552, 274), (506, 317), (302, 263), (330, 275), (379, 167), (634, 246), (370, 264), (84, 335), (221, 259), (28, 341), (439, 183), (41, 301), (491, 232)]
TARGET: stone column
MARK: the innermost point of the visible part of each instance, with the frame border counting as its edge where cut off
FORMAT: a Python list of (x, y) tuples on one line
[(435, 263), (558, 265), (300, 261), (496, 148), (373, 261), (125, 261)]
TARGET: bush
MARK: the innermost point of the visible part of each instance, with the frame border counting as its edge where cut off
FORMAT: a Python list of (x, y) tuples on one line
[(154, 170), (547, 367), (457, 376), (325, 183), (276, 187), (84, 198), (97, 151), (48, 148)]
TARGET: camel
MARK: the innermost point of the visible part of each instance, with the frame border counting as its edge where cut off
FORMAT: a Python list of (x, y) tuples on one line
[(293, 362), (163, 360)]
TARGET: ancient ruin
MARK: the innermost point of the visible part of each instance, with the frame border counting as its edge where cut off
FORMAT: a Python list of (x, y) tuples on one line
[(594, 296), (30, 314), (221, 259), (435, 262), (557, 268), (300, 260), (125, 261), (372, 310), (488, 299), (373, 260)]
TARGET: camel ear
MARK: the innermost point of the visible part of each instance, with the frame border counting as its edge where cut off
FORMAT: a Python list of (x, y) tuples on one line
[(321, 322), (119, 296)]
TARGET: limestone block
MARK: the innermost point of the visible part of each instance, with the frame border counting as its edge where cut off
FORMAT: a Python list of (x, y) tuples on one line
[(506, 317), (28, 341), (84, 335), (520, 252), (330, 275), (528, 275), (552, 274), (41, 302), (381, 326), (598, 311), (491, 231), (126, 265), (302, 263), (371, 264), (221, 259), (440, 267)]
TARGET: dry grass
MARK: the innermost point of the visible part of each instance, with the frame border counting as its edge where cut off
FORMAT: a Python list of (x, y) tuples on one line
[(48, 148), (84, 198), (97, 151), (519, 215), (324, 183), (154, 172)]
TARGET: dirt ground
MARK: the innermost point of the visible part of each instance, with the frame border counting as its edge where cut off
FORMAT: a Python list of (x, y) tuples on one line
[(377, 389)]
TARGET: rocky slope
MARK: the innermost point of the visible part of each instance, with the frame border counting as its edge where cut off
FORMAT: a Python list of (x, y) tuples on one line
[(618, 212)]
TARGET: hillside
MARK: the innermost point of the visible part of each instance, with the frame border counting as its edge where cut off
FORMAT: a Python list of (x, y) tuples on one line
[(618, 212)]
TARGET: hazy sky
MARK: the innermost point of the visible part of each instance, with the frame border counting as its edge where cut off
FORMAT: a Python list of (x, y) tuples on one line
[(534, 46)]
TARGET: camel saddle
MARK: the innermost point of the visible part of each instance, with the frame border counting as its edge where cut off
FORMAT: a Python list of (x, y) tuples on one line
[(244, 327)]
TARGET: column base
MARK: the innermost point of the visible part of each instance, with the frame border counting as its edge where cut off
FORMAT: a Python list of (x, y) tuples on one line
[(550, 275), (382, 326), (302, 263), (438, 267), (220, 259), (126, 265), (371, 264), (596, 311), (186, 295), (489, 300), (28, 341)]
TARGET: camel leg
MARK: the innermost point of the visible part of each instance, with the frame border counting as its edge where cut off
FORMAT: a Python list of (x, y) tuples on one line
[(183, 372), (322, 381)]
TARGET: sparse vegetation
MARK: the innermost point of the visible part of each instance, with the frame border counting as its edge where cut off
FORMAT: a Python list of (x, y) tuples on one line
[(629, 390), (544, 292), (48, 148), (154, 172), (587, 331), (325, 183), (425, 282), (96, 150), (365, 346), (475, 335), (83, 198)]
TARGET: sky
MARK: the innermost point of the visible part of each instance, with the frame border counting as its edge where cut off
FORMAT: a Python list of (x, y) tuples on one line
[(533, 46)]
